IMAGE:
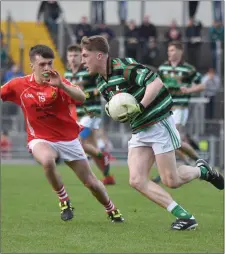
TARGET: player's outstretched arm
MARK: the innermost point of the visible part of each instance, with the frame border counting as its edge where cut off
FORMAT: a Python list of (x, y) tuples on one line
[(73, 91)]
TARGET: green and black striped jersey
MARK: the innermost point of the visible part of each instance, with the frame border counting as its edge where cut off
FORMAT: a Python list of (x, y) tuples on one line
[(88, 84), (126, 75), (183, 74)]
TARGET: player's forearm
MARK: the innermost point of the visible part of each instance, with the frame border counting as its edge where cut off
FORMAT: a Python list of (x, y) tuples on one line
[(151, 92), (197, 88), (74, 92)]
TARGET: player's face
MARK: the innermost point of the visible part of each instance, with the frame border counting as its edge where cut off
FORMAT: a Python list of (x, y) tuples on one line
[(74, 58), (41, 65), (174, 53), (90, 59)]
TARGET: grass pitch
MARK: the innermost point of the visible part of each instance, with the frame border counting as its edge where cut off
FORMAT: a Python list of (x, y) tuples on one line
[(31, 222)]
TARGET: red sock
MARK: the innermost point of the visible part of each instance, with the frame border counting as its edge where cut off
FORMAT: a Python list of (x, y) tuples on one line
[(62, 194), (110, 207)]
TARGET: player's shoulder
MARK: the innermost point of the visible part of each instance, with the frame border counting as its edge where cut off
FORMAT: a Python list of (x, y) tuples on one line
[(189, 66), (164, 65), (18, 81), (123, 62)]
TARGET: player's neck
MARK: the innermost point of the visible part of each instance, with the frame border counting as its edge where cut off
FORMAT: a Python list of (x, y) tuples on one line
[(103, 72), (38, 80), (75, 68), (175, 62)]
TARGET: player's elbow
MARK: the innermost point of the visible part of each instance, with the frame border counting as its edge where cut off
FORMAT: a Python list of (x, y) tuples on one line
[(82, 97)]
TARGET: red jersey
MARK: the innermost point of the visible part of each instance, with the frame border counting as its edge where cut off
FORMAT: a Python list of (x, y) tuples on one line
[(46, 109)]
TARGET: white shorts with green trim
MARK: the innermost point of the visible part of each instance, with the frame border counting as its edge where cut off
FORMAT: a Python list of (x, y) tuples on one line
[(163, 137), (180, 116)]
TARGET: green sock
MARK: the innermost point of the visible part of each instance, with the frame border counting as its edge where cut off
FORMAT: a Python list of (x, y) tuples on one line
[(178, 211), (204, 172), (99, 155)]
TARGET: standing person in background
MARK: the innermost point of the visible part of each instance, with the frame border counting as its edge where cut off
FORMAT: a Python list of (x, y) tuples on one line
[(131, 39), (216, 37), (212, 83), (89, 114), (173, 33), (194, 41), (83, 29), (51, 11)]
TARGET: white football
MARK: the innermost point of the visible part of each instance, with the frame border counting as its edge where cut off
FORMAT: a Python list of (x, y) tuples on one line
[(116, 107)]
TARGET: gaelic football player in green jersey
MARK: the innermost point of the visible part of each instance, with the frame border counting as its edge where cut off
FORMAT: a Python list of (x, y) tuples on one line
[(154, 134), (89, 114), (182, 80)]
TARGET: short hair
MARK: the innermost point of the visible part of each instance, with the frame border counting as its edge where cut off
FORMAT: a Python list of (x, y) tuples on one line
[(95, 43), (41, 50), (177, 45), (74, 47)]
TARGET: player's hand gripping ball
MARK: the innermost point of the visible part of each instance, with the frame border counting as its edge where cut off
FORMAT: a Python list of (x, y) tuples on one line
[(122, 107)]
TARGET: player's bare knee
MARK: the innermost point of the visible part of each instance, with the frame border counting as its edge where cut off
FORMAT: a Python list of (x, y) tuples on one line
[(170, 182), (48, 162), (136, 182)]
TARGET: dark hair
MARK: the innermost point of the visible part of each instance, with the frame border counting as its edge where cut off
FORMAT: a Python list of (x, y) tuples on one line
[(177, 45), (74, 47), (41, 50), (95, 43)]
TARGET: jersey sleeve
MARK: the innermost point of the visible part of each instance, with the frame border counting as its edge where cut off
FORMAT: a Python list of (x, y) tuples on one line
[(137, 74), (196, 78), (68, 98), (9, 91)]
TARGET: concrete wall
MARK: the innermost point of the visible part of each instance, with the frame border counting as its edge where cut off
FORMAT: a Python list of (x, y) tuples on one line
[(161, 12)]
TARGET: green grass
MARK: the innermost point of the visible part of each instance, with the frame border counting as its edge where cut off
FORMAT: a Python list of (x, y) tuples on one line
[(31, 223)]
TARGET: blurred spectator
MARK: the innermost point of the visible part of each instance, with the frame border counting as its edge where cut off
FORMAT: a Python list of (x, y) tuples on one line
[(14, 72), (4, 56), (151, 54), (122, 11), (194, 39), (147, 29), (83, 29), (97, 12), (6, 146), (212, 83), (173, 33), (216, 35), (105, 31), (51, 12), (131, 39)]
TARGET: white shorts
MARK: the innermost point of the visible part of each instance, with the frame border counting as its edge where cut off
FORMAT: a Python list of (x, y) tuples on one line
[(180, 116), (162, 137), (67, 150), (90, 122)]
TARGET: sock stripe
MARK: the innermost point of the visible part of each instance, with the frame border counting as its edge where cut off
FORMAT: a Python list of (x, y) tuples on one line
[(110, 207), (62, 194)]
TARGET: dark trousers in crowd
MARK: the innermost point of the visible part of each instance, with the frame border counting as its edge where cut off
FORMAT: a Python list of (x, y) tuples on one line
[(218, 13), (192, 7), (210, 108), (193, 54), (97, 12)]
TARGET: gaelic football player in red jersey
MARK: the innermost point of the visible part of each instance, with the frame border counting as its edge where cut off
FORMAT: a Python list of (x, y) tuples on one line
[(45, 98)]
